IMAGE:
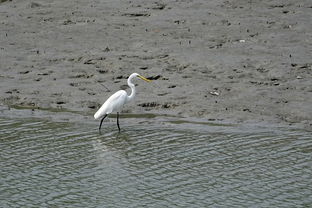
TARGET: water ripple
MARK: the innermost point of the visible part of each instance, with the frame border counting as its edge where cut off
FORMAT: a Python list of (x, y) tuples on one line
[(50, 164)]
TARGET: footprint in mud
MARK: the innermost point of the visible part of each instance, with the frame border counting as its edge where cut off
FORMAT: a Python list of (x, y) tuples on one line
[(74, 84), (81, 76), (306, 66), (149, 104), (154, 77), (12, 91), (24, 72), (155, 104), (33, 4), (124, 87), (102, 71), (60, 102), (168, 105), (92, 105), (121, 77), (44, 73), (163, 94), (91, 93), (136, 14)]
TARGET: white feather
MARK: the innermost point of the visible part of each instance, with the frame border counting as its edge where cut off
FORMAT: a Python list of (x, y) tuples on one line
[(114, 103)]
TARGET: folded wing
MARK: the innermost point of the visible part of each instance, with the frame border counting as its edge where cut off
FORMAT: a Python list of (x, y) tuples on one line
[(113, 103)]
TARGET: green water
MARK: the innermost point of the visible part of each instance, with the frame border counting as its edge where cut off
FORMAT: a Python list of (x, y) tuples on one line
[(60, 164)]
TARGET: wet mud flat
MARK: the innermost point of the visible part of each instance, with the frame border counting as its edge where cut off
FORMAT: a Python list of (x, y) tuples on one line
[(238, 61)]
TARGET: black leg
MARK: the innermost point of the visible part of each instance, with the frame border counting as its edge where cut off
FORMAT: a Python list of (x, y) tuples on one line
[(102, 122), (118, 121)]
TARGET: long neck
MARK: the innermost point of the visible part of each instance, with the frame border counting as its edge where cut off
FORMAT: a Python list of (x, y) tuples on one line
[(131, 85)]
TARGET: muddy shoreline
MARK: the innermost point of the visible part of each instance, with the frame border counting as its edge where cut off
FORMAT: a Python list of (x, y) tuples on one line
[(229, 61)]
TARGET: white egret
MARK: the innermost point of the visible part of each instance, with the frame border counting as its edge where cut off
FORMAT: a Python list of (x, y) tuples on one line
[(116, 101)]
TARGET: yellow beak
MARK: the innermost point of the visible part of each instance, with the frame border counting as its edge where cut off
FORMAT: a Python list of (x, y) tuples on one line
[(143, 78)]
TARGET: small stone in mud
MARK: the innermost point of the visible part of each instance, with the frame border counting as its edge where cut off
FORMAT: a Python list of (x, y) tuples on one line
[(214, 93)]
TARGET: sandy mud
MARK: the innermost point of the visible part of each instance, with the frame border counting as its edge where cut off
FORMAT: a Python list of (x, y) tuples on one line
[(226, 61)]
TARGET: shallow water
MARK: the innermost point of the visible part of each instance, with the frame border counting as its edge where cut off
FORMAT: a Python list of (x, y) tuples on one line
[(58, 164)]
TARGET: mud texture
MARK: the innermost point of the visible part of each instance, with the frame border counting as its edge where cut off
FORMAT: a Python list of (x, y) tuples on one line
[(233, 60)]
